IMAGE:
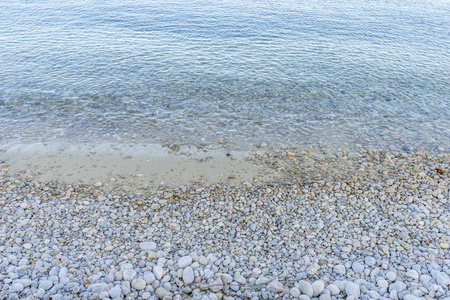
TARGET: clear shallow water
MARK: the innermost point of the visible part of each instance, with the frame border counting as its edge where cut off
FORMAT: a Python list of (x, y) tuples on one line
[(293, 73)]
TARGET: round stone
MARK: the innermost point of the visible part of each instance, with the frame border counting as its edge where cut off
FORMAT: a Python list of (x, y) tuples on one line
[(318, 287), (312, 269), (45, 284), (138, 284), (126, 287), (234, 286), (391, 276), (275, 287), (17, 287), (115, 292), (382, 283), (442, 279), (97, 288), (188, 275), (352, 289), (158, 271), (216, 285), (147, 246), (357, 267), (149, 278), (226, 278), (334, 290), (162, 292), (412, 274), (129, 275), (203, 260), (444, 245), (410, 297), (109, 278), (326, 296), (184, 261), (126, 266), (295, 292), (339, 269), (397, 286), (306, 288), (370, 261)]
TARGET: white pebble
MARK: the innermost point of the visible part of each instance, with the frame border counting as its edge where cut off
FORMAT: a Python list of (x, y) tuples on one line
[(442, 279), (397, 286), (149, 278), (352, 289), (318, 287), (115, 292), (162, 292), (188, 275), (184, 261), (216, 285), (295, 292), (334, 290), (357, 267), (370, 261), (339, 269), (16, 287), (45, 284), (97, 288), (391, 276), (138, 284), (275, 287), (410, 297), (158, 271), (147, 246), (25, 282), (129, 275), (412, 274), (306, 288)]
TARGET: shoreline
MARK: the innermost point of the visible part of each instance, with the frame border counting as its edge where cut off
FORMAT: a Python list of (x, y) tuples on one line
[(136, 167), (372, 226)]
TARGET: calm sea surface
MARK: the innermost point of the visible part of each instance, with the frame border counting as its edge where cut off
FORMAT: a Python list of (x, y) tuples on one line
[(344, 74)]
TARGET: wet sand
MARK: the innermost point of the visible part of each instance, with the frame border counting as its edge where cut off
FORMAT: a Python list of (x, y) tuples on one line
[(135, 167)]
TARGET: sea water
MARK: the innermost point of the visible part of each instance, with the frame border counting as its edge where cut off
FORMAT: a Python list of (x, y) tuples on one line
[(341, 74)]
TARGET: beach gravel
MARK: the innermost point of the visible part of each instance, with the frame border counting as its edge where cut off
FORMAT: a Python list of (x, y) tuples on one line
[(370, 226)]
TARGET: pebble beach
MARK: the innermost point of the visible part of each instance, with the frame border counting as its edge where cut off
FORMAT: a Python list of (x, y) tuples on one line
[(225, 150), (333, 226)]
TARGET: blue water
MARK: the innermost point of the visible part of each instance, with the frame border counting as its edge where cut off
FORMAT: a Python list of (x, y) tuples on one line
[(343, 74)]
